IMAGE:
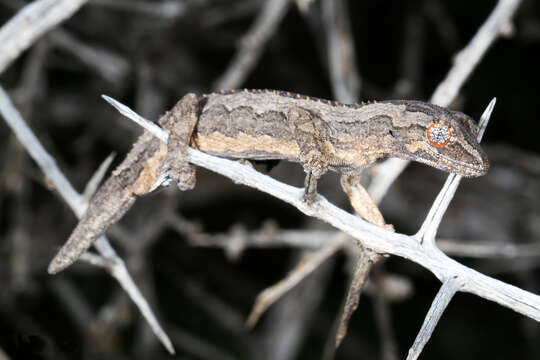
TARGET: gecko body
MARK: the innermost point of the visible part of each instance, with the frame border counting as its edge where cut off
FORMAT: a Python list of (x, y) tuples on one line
[(320, 134)]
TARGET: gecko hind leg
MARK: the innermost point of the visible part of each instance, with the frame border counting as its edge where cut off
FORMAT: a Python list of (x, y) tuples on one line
[(180, 122)]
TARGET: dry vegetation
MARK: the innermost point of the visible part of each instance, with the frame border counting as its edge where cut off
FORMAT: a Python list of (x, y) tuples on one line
[(193, 263)]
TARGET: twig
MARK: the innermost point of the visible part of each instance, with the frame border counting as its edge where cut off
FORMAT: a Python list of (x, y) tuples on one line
[(426, 235), (252, 44), (383, 176), (344, 76), (467, 59), (130, 114), (373, 237), (429, 228), (228, 12), (446, 92), (486, 249), (78, 204), (107, 64), (93, 184), (446, 28), (290, 321), (305, 267), (30, 23), (441, 301), (412, 58), (314, 239), (361, 271)]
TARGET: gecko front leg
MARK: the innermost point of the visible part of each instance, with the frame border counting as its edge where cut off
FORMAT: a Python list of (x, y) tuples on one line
[(180, 122), (309, 138)]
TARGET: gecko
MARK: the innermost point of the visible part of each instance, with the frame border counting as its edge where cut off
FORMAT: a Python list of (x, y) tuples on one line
[(319, 134)]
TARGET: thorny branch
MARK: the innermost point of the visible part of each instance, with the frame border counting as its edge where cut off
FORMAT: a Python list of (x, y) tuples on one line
[(461, 70), (465, 62), (371, 236), (114, 264), (441, 301)]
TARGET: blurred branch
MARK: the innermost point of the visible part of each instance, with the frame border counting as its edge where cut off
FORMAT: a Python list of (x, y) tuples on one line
[(341, 52), (464, 64), (252, 44), (467, 59), (308, 264), (168, 9), (109, 65), (361, 271), (78, 204), (30, 23), (313, 239)]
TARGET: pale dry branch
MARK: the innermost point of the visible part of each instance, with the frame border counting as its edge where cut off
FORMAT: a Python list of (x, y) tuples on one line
[(305, 267), (374, 237), (426, 235), (486, 249), (359, 276), (93, 184), (428, 230), (314, 239), (383, 176), (78, 204), (307, 239), (465, 63), (467, 59), (441, 301), (252, 44), (304, 5), (289, 322), (30, 23)]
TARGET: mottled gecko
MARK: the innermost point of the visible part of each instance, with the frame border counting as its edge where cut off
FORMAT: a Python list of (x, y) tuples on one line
[(265, 124)]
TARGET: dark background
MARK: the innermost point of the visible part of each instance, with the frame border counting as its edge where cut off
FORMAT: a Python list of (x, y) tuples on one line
[(165, 58)]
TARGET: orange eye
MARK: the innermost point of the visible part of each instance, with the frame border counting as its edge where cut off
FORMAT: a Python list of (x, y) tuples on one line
[(439, 134)]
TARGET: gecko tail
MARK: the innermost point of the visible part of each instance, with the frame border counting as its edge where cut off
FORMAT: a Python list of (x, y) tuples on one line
[(109, 204)]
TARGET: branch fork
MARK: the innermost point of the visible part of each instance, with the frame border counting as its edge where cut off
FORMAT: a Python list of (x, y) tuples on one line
[(420, 248)]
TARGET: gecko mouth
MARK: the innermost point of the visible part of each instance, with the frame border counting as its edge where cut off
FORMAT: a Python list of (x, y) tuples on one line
[(455, 166)]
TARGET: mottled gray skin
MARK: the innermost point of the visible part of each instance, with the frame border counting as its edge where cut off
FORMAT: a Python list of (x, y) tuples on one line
[(261, 125)]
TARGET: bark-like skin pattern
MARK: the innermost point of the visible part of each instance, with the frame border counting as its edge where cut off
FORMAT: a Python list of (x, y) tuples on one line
[(269, 124)]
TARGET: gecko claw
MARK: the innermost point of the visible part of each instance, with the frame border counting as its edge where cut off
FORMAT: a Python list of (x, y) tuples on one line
[(310, 188)]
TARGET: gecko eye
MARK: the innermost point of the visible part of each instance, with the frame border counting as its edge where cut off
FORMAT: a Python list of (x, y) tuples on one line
[(392, 133), (439, 134)]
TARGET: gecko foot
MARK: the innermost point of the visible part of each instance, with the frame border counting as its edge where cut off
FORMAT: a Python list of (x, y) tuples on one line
[(310, 188)]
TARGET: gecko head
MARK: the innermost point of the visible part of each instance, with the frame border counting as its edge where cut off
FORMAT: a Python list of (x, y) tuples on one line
[(444, 139)]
